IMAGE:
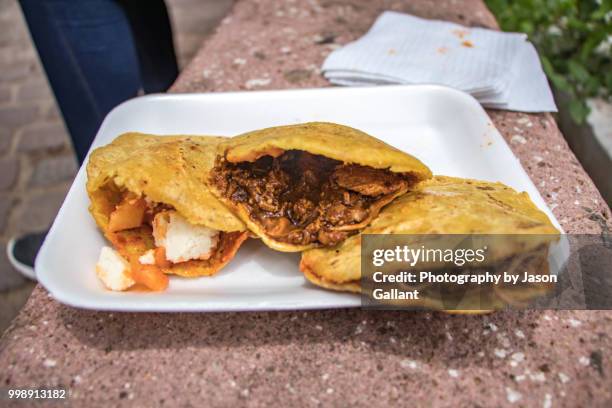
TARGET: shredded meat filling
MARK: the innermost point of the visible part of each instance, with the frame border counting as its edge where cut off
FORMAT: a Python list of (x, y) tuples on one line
[(301, 198)]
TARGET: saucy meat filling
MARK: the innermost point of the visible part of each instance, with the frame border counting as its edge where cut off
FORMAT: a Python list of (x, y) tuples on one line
[(302, 198)]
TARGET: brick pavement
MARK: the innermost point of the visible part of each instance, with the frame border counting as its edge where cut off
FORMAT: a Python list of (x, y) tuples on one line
[(36, 160)]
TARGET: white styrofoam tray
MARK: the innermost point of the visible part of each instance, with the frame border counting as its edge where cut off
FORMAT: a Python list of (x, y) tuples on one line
[(447, 129)]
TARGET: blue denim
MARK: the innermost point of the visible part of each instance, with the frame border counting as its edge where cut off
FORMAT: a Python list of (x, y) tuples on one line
[(99, 53)]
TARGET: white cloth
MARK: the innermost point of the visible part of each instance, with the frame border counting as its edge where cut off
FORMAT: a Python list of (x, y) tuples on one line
[(501, 70)]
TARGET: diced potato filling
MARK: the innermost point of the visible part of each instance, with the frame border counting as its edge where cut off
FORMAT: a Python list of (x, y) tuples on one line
[(128, 214), (150, 276)]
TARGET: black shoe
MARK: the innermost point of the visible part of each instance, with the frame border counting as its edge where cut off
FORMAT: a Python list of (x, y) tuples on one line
[(21, 252)]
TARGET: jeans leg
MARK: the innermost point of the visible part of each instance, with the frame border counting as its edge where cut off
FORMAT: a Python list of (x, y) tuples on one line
[(87, 51), (152, 34)]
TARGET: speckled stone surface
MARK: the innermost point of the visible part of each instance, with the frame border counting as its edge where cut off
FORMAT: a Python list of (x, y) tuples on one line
[(337, 357)]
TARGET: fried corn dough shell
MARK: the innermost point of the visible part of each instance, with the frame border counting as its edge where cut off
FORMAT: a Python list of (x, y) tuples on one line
[(333, 141), (337, 142), (442, 205), (172, 170)]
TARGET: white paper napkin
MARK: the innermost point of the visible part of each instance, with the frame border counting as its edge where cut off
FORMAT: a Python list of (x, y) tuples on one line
[(501, 70)]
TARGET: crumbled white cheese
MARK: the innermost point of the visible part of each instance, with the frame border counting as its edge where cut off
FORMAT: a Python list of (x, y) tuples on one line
[(148, 258), (113, 270), (181, 240)]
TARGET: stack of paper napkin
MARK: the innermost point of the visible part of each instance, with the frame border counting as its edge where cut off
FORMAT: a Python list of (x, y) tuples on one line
[(501, 70)]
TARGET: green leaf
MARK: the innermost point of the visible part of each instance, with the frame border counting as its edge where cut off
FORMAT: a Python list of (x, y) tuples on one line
[(526, 27), (569, 58), (578, 71), (608, 80), (578, 110), (561, 83)]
